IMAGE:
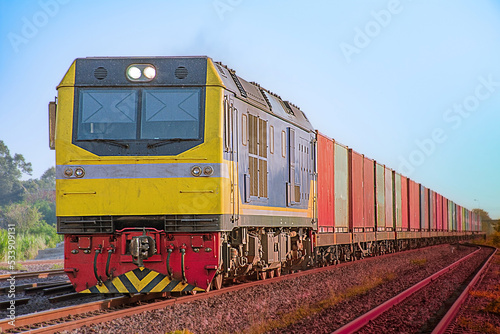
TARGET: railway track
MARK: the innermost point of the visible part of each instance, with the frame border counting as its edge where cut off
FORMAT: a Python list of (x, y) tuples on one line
[(73, 317), (102, 311), (372, 321), (445, 325), (32, 274)]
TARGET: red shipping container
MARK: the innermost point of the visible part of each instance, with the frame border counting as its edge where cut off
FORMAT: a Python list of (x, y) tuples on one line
[(356, 194), (326, 202), (369, 192), (414, 205), (426, 209), (432, 210), (389, 213), (404, 204)]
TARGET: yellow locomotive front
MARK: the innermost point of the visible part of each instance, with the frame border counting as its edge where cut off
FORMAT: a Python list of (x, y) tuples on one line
[(140, 173)]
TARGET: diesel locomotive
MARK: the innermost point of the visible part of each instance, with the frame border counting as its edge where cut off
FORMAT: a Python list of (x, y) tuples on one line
[(173, 174)]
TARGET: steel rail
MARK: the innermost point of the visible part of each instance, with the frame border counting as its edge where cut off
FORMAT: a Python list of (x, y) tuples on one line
[(373, 314), (30, 320), (32, 274), (50, 317), (445, 322)]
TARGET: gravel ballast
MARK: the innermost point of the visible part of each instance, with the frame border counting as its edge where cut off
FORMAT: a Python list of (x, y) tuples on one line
[(481, 311), (321, 301)]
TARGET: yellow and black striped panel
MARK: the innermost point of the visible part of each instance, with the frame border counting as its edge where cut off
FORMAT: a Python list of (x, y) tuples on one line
[(141, 280)]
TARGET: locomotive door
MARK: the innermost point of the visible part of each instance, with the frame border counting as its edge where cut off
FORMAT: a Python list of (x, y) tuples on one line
[(231, 154)]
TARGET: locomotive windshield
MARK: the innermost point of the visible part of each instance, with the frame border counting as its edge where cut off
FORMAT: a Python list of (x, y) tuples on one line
[(139, 114)]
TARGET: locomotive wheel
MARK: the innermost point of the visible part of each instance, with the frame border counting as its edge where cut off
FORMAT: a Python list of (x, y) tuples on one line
[(270, 273), (262, 275), (277, 272)]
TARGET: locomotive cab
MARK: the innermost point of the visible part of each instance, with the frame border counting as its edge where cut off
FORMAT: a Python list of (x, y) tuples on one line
[(139, 173)]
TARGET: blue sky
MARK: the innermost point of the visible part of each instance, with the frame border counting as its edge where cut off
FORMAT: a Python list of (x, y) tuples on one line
[(412, 84)]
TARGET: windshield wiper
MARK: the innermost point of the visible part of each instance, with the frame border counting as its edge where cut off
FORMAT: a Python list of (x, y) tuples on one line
[(107, 141), (166, 141)]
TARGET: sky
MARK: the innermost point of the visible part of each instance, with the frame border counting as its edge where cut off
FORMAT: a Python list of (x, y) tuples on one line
[(413, 84)]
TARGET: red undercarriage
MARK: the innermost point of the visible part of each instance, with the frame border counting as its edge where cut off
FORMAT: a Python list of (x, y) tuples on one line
[(201, 258)]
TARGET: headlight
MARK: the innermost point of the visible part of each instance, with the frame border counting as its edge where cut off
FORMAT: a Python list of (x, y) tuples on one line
[(196, 171), (79, 172), (68, 172), (149, 72), (140, 72), (134, 72), (208, 170)]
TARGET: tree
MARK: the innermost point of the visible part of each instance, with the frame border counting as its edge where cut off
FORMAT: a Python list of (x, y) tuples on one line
[(24, 216), (483, 214), (11, 170), (48, 210), (42, 189)]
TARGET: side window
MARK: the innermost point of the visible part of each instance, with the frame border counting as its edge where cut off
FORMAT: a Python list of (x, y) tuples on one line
[(257, 150), (271, 139), (244, 130), (283, 144)]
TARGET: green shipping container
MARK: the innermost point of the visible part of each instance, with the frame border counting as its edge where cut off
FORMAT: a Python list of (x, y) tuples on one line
[(380, 196), (341, 188)]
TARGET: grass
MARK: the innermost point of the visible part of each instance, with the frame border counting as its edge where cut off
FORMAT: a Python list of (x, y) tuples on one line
[(28, 243), (17, 267), (419, 262), (476, 326), (493, 298), (301, 312), (491, 240), (493, 307), (59, 266), (485, 294)]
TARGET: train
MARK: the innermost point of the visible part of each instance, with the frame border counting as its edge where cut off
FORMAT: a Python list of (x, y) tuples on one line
[(173, 174)]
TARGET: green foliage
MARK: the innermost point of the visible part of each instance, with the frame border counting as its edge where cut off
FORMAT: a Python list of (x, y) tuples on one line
[(29, 242), (483, 214), (47, 210), (23, 215), (42, 189), (4, 238), (47, 232), (11, 170), (27, 205)]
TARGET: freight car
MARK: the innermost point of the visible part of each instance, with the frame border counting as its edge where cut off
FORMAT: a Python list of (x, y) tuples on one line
[(173, 174)]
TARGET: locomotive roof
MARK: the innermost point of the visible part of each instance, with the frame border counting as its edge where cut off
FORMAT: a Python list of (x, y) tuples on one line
[(196, 66), (262, 98)]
